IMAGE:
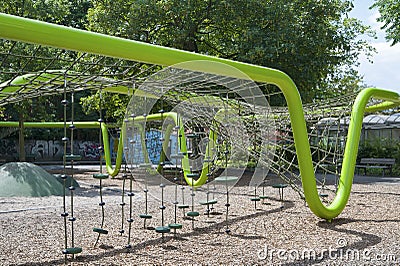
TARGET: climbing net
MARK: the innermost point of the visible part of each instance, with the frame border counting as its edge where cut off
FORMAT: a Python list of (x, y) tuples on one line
[(236, 110), (194, 123), (210, 117)]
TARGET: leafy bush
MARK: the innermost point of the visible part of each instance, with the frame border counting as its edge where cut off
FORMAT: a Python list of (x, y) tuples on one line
[(381, 148)]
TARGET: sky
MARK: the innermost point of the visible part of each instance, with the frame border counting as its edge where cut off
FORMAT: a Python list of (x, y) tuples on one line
[(384, 71)]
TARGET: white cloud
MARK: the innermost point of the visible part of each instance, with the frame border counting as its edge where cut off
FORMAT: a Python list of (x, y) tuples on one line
[(372, 20), (384, 72)]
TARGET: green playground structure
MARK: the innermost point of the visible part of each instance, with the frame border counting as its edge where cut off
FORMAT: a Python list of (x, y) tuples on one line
[(119, 160), (36, 32)]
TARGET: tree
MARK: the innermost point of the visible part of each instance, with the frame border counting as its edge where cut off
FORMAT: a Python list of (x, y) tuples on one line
[(390, 13), (315, 42), (192, 25), (69, 13), (54, 11), (113, 105)]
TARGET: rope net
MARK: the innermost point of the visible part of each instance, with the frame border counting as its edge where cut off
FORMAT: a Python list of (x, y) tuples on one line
[(248, 121)]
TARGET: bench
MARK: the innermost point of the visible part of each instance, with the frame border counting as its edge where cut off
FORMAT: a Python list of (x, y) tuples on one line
[(376, 163)]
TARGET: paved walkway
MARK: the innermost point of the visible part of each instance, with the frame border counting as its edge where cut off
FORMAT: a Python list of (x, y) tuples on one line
[(364, 179)]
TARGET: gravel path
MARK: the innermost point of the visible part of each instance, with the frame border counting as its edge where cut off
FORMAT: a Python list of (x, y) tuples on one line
[(368, 231)]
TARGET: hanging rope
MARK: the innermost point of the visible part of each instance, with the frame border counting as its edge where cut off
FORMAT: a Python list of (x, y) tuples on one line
[(175, 156), (122, 204), (162, 229), (100, 176), (64, 102), (71, 157), (130, 193)]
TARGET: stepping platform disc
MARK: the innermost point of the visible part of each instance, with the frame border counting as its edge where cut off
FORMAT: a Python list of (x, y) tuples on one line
[(323, 195), (279, 185), (193, 214), (226, 179), (100, 176), (255, 199), (145, 165), (263, 197), (162, 229), (175, 226), (183, 206), (210, 202), (192, 136), (100, 231), (73, 250), (145, 216), (73, 157), (192, 175)]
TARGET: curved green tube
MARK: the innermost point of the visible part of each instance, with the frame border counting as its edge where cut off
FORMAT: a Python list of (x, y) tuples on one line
[(163, 156), (32, 31), (349, 159), (183, 148), (107, 152), (88, 124)]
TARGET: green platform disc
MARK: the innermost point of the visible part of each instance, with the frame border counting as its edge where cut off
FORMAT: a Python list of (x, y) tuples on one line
[(162, 229), (175, 226)]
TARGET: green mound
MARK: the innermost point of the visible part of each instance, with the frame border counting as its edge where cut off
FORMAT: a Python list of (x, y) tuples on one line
[(68, 180), (20, 179)]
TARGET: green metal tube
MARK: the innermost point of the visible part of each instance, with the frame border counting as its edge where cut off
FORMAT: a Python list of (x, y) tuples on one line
[(185, 161), (50, 124), (38, 32), (31, 31), (167, 135), (107, 151), (349, 159)]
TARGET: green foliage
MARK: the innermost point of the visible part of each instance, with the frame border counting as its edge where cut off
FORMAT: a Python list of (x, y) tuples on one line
[(315, 42), (193, 25), (113, 105), (390, 12), (381, 148), (39, 109), (69, 13), (44, 108)]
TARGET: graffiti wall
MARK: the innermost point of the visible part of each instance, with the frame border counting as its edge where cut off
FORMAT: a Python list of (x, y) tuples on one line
[(50, 150), (8, 149), (53, 150)]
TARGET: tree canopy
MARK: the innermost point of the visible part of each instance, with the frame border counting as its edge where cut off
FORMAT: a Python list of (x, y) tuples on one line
[(68, 13), (315, 42), (390, 13)]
